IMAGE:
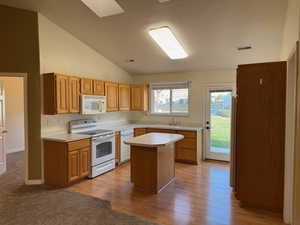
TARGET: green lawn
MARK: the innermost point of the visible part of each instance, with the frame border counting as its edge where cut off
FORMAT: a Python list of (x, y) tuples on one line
[(220, 132)]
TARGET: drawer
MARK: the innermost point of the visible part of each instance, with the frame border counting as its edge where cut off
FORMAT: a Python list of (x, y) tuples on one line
[(186, 155), (189, 134), (74, 145), (153, 130), (189, 143)]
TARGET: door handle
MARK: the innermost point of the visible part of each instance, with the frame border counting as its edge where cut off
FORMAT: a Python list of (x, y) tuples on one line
[(4, 131)]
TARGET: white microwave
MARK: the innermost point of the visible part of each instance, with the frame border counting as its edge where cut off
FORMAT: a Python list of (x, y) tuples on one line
[(92, 104)]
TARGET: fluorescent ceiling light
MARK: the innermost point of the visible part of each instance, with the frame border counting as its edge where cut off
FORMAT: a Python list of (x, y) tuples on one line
[(168, 43), (104, 7), (163, 1)]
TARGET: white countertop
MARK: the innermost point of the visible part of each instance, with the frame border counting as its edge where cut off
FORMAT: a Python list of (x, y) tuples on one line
[(154, 139), (158, 126), (65, 137)]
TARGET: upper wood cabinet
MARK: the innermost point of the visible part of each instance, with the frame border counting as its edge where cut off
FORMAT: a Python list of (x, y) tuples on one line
[(86, 86), (124, 97), (74, 95), (98, 87), (139, 97), (61, 94), (112, 96)]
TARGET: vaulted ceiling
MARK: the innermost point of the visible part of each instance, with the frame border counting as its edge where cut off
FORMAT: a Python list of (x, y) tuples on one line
[(210, 31)]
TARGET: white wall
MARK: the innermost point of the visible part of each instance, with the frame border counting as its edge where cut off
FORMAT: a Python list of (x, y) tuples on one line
[(291, 29), (61, 52), (199, 80), (14, 103)]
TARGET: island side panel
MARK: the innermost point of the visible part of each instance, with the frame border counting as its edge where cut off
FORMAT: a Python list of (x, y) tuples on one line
[(166, 165), (143, 165)]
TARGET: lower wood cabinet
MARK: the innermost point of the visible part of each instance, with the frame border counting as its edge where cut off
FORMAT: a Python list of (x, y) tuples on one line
[(66, 162), (139, 131), (186, 150)]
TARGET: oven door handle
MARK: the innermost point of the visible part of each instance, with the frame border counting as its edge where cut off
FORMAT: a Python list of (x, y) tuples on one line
[(103, 137)]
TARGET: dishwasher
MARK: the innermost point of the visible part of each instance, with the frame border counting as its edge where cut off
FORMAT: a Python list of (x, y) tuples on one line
[(125, 149)]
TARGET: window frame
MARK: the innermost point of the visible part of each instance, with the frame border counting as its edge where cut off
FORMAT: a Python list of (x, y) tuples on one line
[(170, 114)]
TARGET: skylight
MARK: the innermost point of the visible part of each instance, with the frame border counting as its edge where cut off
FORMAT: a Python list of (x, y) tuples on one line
[(168, 43), (104, 7)]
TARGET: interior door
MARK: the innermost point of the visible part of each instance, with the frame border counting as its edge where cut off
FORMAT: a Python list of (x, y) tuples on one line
[(218, 123), (2, 131)]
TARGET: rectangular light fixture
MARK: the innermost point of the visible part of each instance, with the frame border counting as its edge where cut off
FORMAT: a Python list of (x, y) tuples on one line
[(168, 43), (104, 7)]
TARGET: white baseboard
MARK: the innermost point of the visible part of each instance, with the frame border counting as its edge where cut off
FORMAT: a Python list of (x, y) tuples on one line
[(13, 150), (34, 182)]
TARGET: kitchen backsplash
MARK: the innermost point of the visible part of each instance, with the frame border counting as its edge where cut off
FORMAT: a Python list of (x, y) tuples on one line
[(59, 123)]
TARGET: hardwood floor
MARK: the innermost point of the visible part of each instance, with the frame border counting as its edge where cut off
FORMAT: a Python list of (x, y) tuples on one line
[(200, 195)]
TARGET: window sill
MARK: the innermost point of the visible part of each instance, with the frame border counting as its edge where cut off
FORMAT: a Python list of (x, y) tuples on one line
[(169, 114)]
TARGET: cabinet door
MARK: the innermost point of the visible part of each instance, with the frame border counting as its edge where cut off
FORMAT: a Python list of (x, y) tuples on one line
[(111, 93), (73, 165), (84, 162), (86, 86), (74, 95), (139, 98), (99, 87), (124, 97), (62, 94)]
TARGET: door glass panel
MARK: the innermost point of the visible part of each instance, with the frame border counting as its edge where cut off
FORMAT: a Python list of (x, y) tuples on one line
[(220, 121)]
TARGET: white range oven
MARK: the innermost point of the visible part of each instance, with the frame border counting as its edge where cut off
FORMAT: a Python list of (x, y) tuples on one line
[(102, 148)]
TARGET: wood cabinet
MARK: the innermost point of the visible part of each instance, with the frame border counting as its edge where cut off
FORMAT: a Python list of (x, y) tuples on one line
[(112, 96), (139, 97), (118, 147), (65, 163), (74, 95), (61, 94), (139, 131), (124, 97), (260, 135), (86, 86), (98, 87), (187, 150)]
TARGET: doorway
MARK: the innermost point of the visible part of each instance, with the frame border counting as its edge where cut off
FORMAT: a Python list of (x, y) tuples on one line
[(218, 112), (13, 120)]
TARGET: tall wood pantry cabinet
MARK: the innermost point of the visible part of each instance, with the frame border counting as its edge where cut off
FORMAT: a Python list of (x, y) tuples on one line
[(260, 135)]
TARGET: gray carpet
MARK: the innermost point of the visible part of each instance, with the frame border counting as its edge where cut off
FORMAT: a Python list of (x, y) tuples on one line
[(42, 205)]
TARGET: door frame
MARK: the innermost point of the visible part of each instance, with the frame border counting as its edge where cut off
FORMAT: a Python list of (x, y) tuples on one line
[(25, 88), (206, 112)]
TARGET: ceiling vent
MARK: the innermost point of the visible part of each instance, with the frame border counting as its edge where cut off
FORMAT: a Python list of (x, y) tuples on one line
[(242, 48), (104, 8)]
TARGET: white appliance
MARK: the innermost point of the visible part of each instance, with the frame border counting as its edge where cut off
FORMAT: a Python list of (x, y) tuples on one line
[(93, 104), (103, 145), (125, 149)]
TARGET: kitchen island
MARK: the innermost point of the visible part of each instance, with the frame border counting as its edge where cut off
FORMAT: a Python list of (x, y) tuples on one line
[(153, 160)]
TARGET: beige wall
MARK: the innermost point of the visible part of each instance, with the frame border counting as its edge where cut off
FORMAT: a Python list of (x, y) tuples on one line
[(62, 53), (199, 80), (14, 108), (291, 29), (20, 54)]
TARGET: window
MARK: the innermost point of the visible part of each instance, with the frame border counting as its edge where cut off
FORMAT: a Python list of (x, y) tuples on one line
[(170, 98)]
